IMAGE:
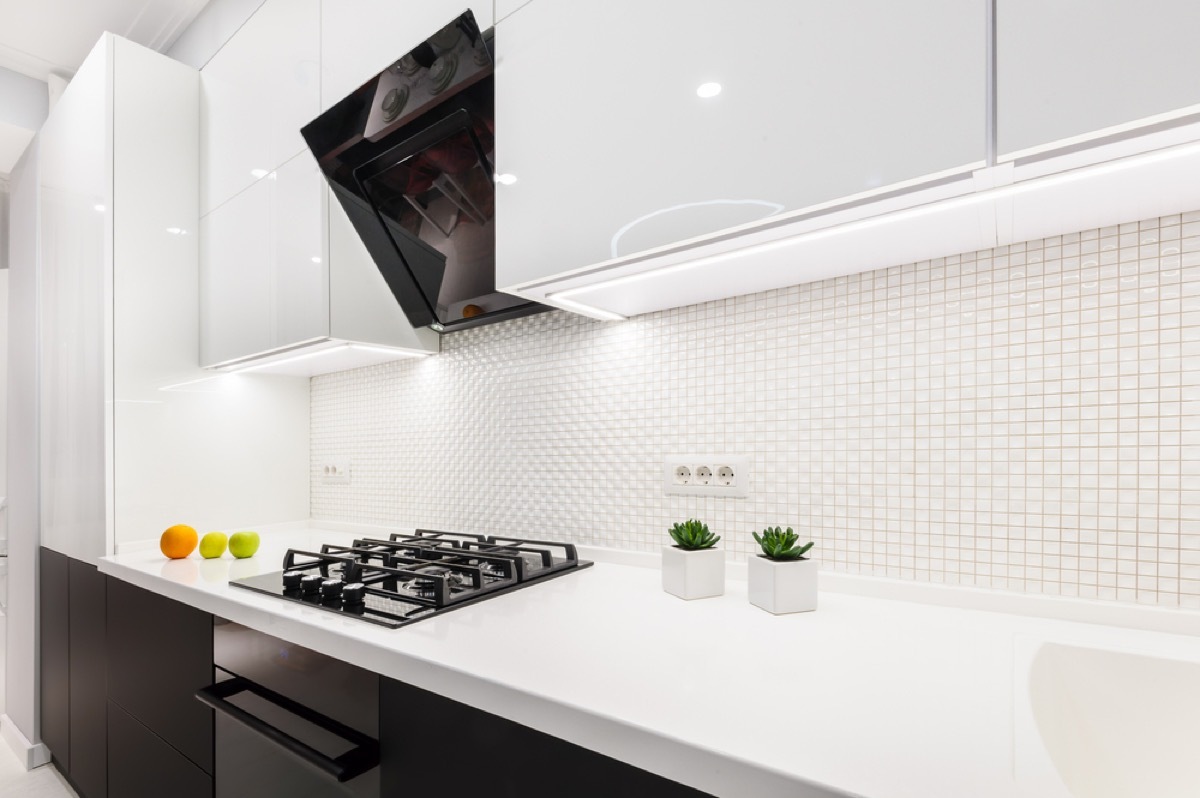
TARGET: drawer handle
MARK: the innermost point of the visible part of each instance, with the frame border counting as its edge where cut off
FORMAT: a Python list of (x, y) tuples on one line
[(355, 762)]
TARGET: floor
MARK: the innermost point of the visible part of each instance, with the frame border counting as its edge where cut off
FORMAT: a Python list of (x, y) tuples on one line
[(16, 782)]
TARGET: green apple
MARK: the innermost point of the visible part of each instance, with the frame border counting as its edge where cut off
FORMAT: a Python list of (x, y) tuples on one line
[(243, 544), (212, 545)]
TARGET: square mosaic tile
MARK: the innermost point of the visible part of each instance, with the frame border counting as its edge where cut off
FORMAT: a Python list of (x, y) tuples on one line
[(1024, 418)]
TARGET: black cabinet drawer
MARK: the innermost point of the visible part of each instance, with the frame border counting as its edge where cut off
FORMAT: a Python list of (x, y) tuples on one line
[(141, 765), (159, 655), (429, 742), (251, 760)]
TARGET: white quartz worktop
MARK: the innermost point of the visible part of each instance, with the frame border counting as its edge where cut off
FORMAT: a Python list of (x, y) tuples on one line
[(867, 696)]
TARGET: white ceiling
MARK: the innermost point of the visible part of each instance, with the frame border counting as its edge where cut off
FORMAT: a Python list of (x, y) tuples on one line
[(38, 37)]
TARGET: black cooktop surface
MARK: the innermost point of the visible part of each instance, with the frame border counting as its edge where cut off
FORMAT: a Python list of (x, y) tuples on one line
[(407, 578)]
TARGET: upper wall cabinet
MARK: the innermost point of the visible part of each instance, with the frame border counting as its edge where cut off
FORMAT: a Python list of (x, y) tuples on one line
[(506, 7), (1078, 68), (359, 38), (257, 92), (625, 127), (283, 288)]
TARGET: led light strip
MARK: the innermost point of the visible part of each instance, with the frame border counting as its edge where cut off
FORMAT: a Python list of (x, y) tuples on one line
[(265, 364)]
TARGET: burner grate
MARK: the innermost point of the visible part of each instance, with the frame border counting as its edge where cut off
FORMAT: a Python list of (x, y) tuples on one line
[(412, 576)]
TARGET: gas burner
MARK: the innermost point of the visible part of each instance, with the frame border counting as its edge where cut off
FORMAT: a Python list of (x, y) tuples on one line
[(406, 578)]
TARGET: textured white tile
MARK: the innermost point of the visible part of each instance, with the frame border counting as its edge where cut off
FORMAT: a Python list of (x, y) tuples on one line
[(1025, 418)]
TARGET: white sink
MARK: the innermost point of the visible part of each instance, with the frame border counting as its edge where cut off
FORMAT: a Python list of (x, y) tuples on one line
[(1093, 723)]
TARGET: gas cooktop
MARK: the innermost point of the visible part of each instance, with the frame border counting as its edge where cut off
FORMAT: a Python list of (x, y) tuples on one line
[(408, 578)]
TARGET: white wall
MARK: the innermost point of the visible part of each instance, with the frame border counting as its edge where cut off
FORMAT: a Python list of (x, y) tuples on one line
[(21, 640), (3, 388), (1016, 418)]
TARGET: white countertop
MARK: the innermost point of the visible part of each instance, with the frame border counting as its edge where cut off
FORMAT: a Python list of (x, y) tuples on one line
[(866, 696)]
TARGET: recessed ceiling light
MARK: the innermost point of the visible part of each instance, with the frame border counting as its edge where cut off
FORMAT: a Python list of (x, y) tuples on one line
[(506, 179), (99, 208), (177, 231), (316, 260), (707, 90), (258, 174)]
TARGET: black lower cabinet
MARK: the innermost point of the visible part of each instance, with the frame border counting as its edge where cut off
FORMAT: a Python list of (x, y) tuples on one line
[(291, 722), (429, 742), (159, 654), (142, 765), (73, 670), (88, 672), (54, 619)]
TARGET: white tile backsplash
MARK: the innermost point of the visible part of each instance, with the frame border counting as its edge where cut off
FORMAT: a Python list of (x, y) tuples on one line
[(1025, 418)]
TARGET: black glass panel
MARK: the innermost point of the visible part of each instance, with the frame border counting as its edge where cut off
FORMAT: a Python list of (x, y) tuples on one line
[(409, 157)]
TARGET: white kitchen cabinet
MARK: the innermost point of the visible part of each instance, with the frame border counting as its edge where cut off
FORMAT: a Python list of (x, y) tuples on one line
[(283, 275), (360, 38), (235, 277), (505, 8), (614, 154), (280, 278), (76, 297), (257, 92), (1072, 69), (133, 435), (265, 283)]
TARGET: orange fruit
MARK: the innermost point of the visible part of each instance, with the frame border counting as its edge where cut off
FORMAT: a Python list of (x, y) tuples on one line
[(178, 541)]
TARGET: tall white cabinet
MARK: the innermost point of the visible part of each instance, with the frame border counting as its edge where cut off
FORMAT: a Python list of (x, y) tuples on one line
[(134, 435)]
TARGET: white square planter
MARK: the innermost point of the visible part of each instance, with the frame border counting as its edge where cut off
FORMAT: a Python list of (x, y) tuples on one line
[(781, 587), (693, 574)]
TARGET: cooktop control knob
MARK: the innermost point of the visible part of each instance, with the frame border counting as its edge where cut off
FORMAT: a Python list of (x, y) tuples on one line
[(331, 589), (311, 583), (354, 593), (291, 580)]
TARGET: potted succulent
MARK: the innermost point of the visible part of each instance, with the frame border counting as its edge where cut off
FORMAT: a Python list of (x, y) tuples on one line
[(782, 579), (693, 568)]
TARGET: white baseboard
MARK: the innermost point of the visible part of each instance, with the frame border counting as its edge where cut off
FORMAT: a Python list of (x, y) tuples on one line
[(31, 755)]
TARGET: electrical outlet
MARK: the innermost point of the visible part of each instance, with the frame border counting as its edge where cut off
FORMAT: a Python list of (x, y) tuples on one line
[(335, 472), (707, 475)]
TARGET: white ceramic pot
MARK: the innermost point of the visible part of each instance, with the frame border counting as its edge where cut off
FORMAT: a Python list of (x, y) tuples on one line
[(781, 587), (693, 574)]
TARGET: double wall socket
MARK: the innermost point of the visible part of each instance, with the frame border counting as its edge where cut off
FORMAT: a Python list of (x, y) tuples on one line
[(707, 475), (335, 472)]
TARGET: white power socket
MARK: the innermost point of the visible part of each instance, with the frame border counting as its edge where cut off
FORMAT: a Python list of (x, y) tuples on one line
[(335, 472), (707, 475)]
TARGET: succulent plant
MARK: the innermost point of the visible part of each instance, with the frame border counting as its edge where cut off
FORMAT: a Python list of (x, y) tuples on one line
[(692, 535), (779, 545)]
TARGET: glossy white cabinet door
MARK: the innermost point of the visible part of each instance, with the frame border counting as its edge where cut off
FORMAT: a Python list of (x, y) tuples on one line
[(264, 266), (235, 277), (361, 38), (257, 92), (1067, 68), (75, 397), (299, 270), (614, 153)]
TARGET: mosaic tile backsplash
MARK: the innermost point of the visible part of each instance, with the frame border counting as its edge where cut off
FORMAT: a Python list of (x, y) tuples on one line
[(1024, 418)]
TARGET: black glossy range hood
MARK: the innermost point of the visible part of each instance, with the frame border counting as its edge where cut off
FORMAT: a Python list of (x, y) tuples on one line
[(409, 156)]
